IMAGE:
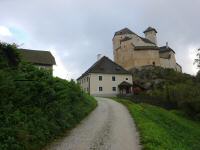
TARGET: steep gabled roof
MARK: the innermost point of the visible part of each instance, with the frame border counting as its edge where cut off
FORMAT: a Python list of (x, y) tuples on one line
[(124, 31), (146, 40), (37, 57), (105, 66), (179, 65), (166, 49), (150, 29), (128, 31), (124, 84)]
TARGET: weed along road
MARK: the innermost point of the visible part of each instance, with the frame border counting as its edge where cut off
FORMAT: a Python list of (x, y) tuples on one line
[(108, 127)]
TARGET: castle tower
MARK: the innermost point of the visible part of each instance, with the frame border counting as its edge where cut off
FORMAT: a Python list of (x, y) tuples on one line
[(150, 34), (118, 37)]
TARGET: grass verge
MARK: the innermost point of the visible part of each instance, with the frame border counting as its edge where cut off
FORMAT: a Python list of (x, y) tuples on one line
[(163, 130)]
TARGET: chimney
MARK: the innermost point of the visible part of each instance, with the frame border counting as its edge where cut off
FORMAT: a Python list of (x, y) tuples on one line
[(98, 57), (167, 46)]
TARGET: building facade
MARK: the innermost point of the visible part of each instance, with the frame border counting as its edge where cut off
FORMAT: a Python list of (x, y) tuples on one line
[(132, 51), (105, 78), (40, 59)]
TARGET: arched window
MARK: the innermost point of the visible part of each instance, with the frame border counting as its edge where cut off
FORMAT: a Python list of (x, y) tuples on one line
[(154, 63)]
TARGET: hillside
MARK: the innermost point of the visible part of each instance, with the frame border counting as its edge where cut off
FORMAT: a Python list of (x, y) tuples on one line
[(162, 129), (35, 107), (167, 88)]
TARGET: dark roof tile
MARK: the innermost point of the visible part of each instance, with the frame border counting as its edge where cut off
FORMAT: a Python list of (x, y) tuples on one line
[(166, 49), (37, 57), (150, 29), (146, 40), (105, 66), (124, 31), (146, 48), (125, 84)]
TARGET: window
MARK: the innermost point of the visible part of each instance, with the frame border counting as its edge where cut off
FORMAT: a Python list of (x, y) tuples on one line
[(114, 88), (154, 63), (100, 78), (113, 78), (87, 79), (126, 78), (100, 88)]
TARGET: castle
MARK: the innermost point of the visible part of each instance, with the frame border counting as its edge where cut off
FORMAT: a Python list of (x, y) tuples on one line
[(133, 51)]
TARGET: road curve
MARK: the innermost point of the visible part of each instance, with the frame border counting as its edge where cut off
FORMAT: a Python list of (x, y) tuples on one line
[(108, 127)]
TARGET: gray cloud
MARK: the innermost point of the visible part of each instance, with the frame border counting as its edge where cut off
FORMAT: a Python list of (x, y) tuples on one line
[(79, 30)]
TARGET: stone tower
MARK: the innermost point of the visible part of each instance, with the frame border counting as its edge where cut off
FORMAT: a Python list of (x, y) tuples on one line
[(150, 34), (119, 37)]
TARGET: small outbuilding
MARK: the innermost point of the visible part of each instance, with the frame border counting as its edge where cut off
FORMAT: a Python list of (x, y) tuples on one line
[(40, 59)]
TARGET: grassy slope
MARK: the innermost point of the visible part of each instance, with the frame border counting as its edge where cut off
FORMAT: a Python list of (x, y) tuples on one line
[(163, 130)]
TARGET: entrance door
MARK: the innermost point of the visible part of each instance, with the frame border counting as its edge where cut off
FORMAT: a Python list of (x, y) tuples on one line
[(127, 90)]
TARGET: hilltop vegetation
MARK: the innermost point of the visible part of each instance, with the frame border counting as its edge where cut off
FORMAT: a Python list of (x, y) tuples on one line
[(169, 89), (161, 129), (35, 107)]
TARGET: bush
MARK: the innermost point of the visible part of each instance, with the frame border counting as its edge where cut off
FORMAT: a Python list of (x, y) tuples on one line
[(36, 107)]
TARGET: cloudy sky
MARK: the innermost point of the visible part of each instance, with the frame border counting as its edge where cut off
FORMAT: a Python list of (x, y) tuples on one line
[(75, 31)]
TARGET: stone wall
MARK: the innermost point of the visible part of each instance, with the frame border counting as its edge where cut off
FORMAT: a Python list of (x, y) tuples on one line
[(127, 57)]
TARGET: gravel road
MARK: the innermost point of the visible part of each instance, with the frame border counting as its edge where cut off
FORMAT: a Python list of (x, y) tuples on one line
[(108, 127)]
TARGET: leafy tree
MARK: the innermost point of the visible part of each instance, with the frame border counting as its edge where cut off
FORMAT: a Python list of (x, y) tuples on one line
[(9, 56), (197, 60), (198, 76)]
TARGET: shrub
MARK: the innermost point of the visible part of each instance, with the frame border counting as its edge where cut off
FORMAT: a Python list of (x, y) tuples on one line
[(36, 107)]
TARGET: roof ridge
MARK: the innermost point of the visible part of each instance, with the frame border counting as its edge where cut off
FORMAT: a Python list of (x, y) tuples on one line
[(37, 56), (124, 31), (105, 65), (150, 29), (34, 50)]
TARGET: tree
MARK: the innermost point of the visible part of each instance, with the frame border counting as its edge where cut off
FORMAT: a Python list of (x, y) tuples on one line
[(9, 56), (197, 60)]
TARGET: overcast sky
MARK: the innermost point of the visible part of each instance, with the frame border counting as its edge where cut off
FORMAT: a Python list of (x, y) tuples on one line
[(76, 31)]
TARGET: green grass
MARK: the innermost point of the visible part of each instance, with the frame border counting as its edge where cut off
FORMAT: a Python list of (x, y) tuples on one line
[(161, 129)]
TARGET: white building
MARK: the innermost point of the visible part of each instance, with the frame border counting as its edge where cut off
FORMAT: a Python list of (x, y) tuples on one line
[(106, 78)]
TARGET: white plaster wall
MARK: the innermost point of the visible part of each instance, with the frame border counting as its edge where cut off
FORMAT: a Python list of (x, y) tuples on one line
[(84, 83), (44, 67), (107, 83)]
